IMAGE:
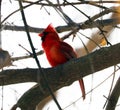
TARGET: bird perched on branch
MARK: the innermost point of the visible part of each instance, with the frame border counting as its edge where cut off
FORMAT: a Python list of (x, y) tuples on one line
[(57, 51)]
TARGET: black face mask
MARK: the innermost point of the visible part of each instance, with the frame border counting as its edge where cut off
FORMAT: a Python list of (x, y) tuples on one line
[(44, 36)]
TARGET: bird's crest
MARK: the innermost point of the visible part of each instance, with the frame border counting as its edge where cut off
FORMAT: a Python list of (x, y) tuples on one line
[(50, 28)]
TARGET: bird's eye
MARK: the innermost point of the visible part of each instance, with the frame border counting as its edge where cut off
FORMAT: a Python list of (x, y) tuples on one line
[(44, 36), (45, 33)]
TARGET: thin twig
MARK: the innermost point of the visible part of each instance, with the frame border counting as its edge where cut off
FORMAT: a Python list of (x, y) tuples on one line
[(74, 3), (26, 56)]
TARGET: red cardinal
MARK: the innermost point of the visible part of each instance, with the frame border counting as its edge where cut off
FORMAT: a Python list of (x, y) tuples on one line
[(57, 51)]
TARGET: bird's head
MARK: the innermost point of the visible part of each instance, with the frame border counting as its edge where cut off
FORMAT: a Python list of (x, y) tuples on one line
[(50, 31)]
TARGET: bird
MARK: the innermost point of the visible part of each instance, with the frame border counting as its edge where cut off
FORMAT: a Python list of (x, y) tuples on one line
[(57, 51)]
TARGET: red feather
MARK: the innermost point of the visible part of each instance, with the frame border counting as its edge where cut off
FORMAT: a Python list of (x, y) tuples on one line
[(57, 51)]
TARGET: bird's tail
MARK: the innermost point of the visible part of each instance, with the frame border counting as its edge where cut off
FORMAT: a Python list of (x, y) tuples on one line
[(81, 82)]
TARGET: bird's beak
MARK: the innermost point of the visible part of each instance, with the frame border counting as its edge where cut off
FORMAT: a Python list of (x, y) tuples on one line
[(40, 34)]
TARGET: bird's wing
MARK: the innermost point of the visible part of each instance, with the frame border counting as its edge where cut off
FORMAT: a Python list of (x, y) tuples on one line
[(59, 53), (68, 51)]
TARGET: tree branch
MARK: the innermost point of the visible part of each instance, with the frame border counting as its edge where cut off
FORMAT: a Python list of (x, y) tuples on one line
[(100, 59), (60, 29), (27, 56), (62, 75)]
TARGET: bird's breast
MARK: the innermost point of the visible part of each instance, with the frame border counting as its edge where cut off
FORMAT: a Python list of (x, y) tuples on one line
[(55, 55)]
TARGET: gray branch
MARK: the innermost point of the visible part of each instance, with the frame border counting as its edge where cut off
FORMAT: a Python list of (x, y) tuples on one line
[(86, 25)]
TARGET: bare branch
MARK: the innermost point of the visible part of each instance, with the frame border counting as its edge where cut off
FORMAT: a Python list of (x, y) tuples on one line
[(27, 56), (60, 29)]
